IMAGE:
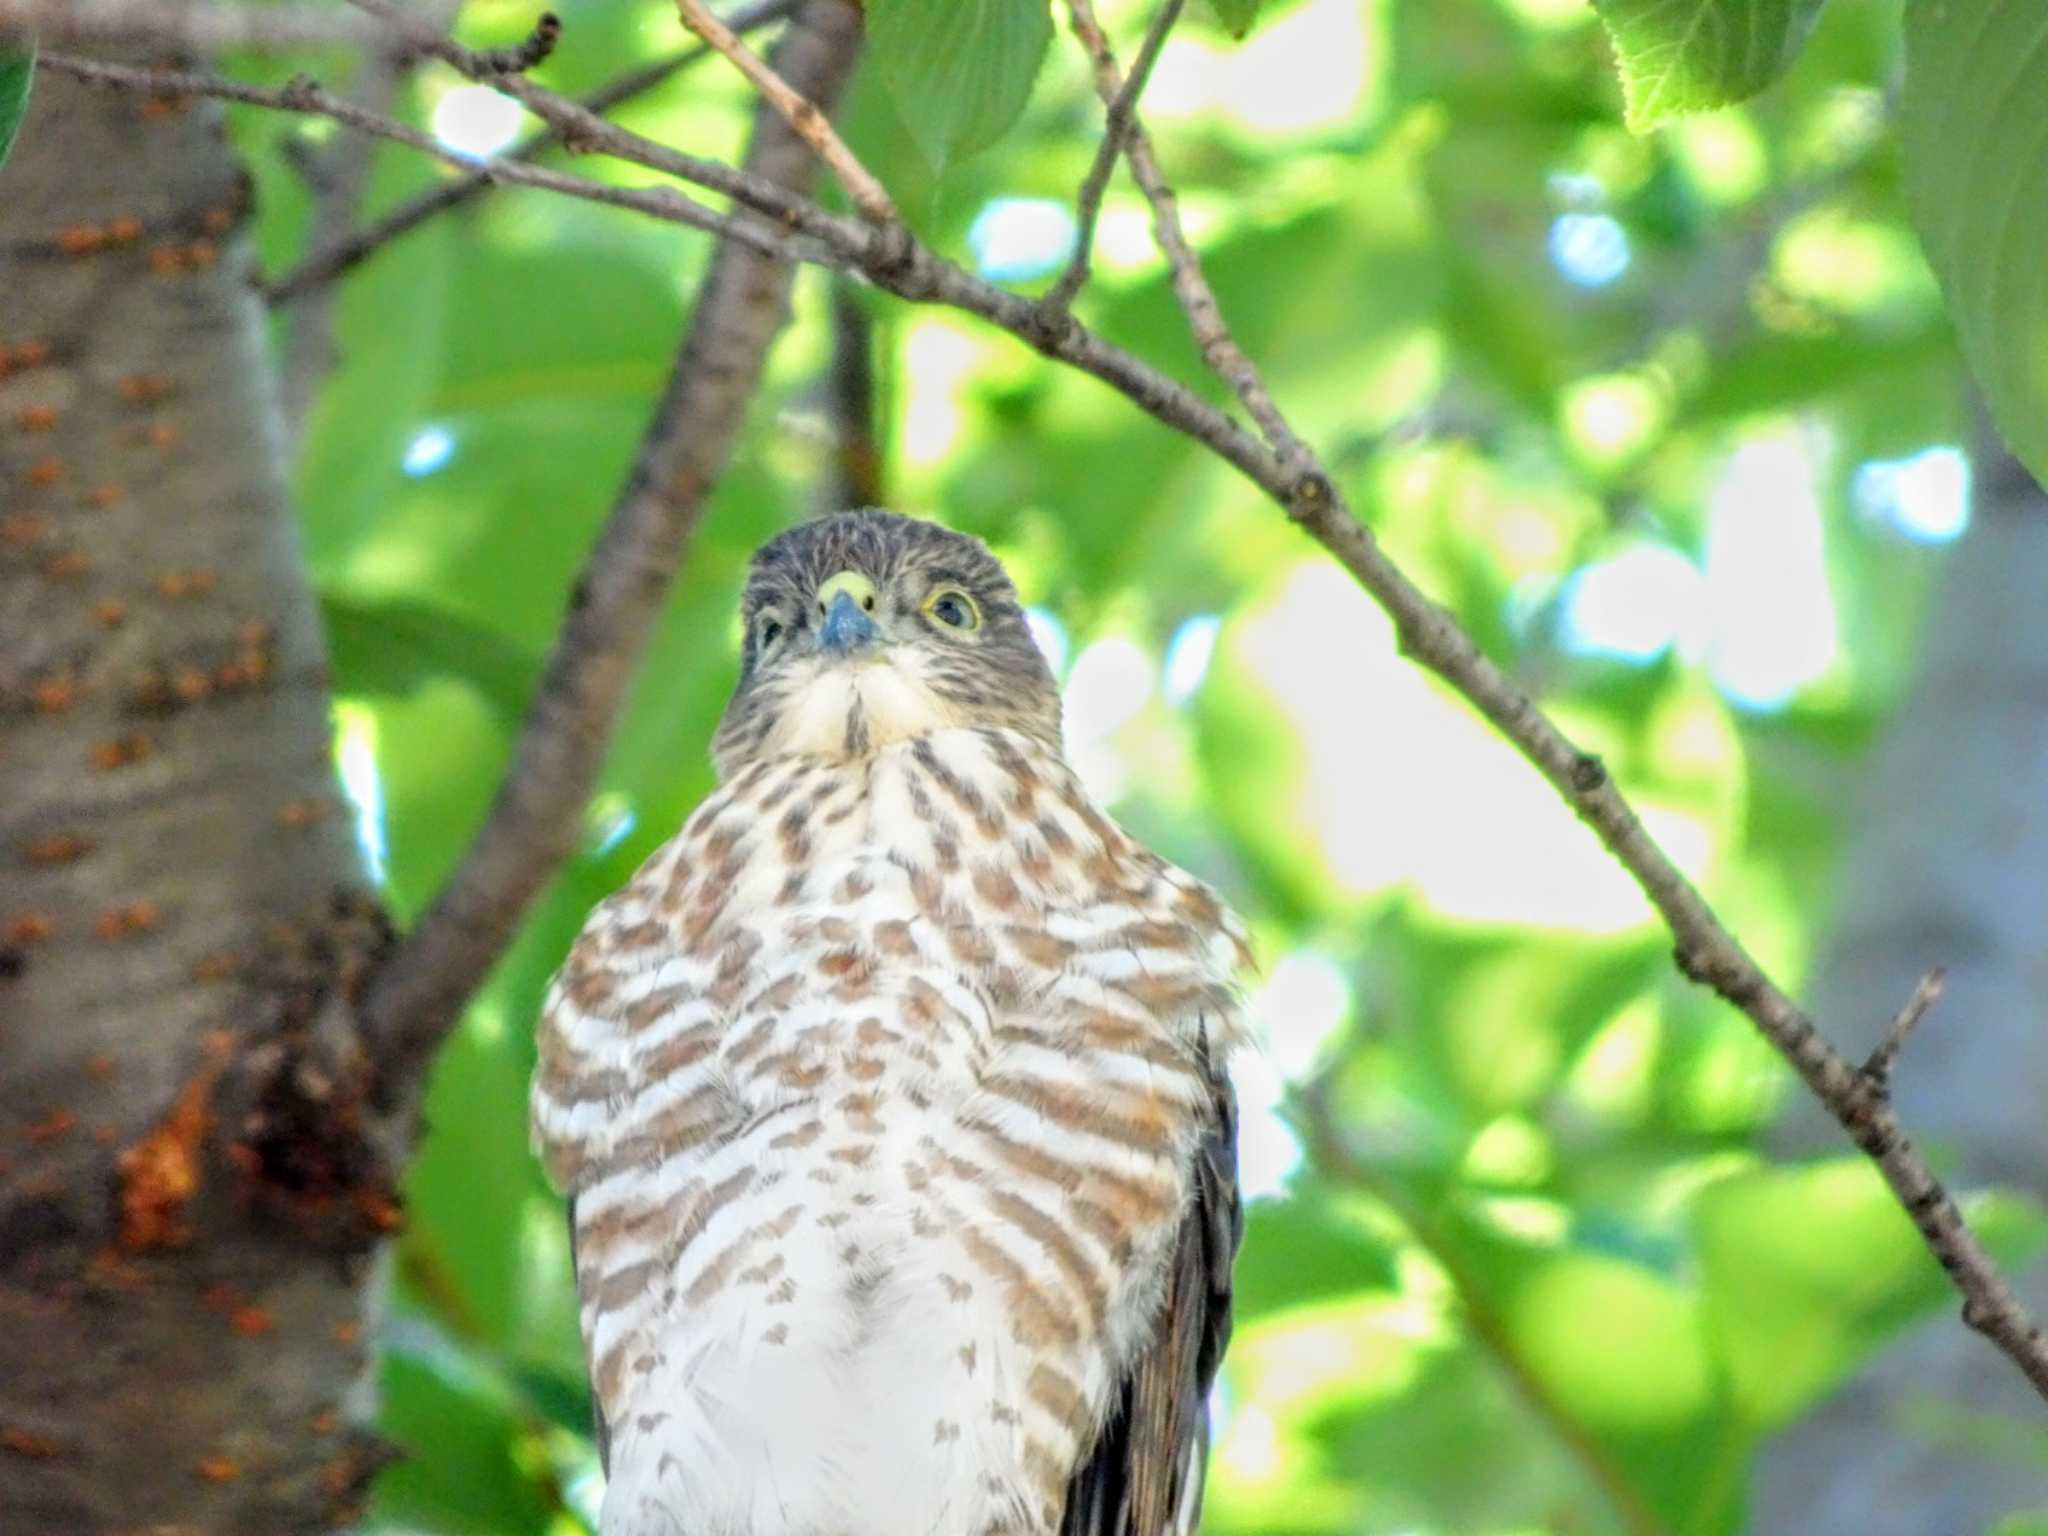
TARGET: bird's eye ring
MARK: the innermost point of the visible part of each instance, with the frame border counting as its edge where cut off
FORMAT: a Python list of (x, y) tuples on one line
[(769, 631), (953, 608)]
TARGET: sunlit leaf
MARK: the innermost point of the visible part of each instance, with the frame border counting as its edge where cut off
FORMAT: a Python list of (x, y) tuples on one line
[(962, 69), (1689, 55), (1306, 1249), (461, 1473), (1236, 16), (1808, 1270), (17, 71), (393, 646), (1972, 120)]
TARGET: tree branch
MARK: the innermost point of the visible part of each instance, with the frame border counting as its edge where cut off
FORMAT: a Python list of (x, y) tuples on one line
[(337, 178), (1878, 1068), (532, 824), (1118, 121), (1197, 300), (337, 257), (184, 27), (305, 96), (1281, 466), (853, 469), (797, 110)]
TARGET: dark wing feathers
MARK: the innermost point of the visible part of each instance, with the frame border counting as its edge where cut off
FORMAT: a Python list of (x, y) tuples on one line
[(1156, 1437)]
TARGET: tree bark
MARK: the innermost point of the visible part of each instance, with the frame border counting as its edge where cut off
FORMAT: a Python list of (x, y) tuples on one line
[(197, 1151), (187, 1186), (1947, 865)]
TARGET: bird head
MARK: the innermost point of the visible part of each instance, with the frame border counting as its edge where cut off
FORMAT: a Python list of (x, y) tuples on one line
[(867, 628)]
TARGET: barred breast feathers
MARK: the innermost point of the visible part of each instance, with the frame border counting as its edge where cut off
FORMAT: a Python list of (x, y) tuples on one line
[(878, 1089)]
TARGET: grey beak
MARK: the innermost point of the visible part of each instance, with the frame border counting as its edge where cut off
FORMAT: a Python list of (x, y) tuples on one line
[(847, 628)]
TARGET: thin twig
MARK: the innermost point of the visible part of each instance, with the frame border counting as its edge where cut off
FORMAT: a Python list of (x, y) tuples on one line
[(305, 96), (532, 824), (530, 53), (1119, 117), (801, 113), (592, 134), (1197, 300), (1333, 1153), (186, 28), (853, 472), (1878, 1068), (337, 176), (1282, 467), (339, 257)]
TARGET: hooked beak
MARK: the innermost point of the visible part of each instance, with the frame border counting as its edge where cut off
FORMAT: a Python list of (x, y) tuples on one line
[(847, 627)]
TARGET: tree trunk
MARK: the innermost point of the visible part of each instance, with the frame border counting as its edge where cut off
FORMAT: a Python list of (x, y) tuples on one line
[(1947, 865), (187, 1189)]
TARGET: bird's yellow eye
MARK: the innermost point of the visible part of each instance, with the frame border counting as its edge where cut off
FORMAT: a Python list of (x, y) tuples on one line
[(953, 608)]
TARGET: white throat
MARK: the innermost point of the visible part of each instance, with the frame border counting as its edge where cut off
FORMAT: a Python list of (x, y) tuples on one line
[(852, 709)]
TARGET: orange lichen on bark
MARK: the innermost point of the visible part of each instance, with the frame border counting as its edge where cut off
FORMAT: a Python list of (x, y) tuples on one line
[(218, 966), (28, 928), (69, 566), (146, 388), (54, 695), (54, 1126), (122, 922), (380, 1211), (219, 1469), (196, 582), (110, 613), (250, 1321), (162, 1172), (104, 495), (22, 355), (121, 751), (22, 1442), (36, 418), (55, 848), (303, 813), (47, 470)]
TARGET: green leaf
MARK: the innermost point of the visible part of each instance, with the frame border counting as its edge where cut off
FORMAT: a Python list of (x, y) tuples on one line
[(1691, 55), (16, 71), (1306, 1249), (1237, 16), (1972, 120), (1808, 1270), (395, 646), (961, 69)]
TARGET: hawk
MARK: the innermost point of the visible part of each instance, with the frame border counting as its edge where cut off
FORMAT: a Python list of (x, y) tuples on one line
[(889, 1096)]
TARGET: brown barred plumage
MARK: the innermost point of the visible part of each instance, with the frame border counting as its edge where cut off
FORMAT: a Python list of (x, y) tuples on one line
[(889, 1094)]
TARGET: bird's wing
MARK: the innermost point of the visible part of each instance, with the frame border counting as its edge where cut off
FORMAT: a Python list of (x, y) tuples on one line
[(1144, 1476)]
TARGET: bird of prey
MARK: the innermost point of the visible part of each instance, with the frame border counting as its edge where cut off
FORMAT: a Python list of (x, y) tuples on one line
[(890, 1096)]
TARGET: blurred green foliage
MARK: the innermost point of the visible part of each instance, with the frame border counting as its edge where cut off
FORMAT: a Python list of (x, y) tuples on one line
[(17, 71), (1668, 421)]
